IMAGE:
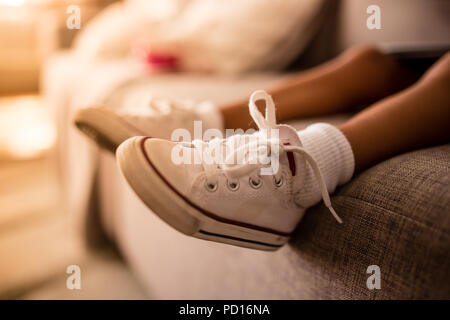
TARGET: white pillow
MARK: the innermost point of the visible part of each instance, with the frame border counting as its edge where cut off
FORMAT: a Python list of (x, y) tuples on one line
[(222, 36)]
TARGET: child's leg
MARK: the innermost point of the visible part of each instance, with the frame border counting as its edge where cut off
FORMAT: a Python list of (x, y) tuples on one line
[(414, 118), (359, 76)]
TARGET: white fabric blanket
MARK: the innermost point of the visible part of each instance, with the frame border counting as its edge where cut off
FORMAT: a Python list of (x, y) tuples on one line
[(224, 36)]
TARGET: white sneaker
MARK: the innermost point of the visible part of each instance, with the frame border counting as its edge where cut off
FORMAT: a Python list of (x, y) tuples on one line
[(153, 117), (233, 204)]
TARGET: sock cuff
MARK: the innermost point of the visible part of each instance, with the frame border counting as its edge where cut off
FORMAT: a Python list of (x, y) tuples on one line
[(333, 153)]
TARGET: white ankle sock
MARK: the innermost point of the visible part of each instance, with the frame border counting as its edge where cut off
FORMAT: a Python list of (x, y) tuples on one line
[(334, 155)]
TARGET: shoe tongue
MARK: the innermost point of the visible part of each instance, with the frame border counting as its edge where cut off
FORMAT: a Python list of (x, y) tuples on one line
[(289, 137), (186, 149)]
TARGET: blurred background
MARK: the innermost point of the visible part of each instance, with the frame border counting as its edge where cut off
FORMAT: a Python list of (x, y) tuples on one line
[(37, 240)]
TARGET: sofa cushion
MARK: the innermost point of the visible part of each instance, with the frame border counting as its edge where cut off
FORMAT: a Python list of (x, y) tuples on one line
[(396, 216)]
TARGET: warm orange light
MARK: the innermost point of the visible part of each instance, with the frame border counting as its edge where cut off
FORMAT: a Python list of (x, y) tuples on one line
[(26, 129), (12, 3)]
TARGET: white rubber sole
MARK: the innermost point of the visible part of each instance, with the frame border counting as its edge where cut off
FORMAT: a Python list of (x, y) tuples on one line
[(177, 211), (104, 126)]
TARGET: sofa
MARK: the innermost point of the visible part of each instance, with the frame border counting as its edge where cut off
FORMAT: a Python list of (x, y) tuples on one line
[(396, 214)]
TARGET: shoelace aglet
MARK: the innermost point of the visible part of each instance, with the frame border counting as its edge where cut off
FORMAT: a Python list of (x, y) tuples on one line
[(335, 215)]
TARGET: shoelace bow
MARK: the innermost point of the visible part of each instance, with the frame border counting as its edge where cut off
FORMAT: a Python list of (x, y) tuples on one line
[(165, 106), (173, 112), (169, 107), (268, 122)]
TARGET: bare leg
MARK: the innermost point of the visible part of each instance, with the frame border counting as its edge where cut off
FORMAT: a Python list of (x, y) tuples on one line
[(359, 76), (414, 118)]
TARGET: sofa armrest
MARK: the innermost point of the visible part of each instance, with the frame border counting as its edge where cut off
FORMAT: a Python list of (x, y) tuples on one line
[(396, 216)]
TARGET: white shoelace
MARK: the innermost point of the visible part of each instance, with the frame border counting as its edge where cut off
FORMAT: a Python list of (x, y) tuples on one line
[(166, 106), (147, 104), (268, 122)]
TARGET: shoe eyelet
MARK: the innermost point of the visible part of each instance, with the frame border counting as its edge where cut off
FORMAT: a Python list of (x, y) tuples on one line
[(255, 184), (233, 186), (278, 182), (211, 187)]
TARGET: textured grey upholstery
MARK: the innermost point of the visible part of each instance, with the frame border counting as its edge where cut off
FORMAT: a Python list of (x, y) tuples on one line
[(397, 216)]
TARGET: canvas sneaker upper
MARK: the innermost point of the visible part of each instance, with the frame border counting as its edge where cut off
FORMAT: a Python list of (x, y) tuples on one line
[(158, 117), (258, 180)]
